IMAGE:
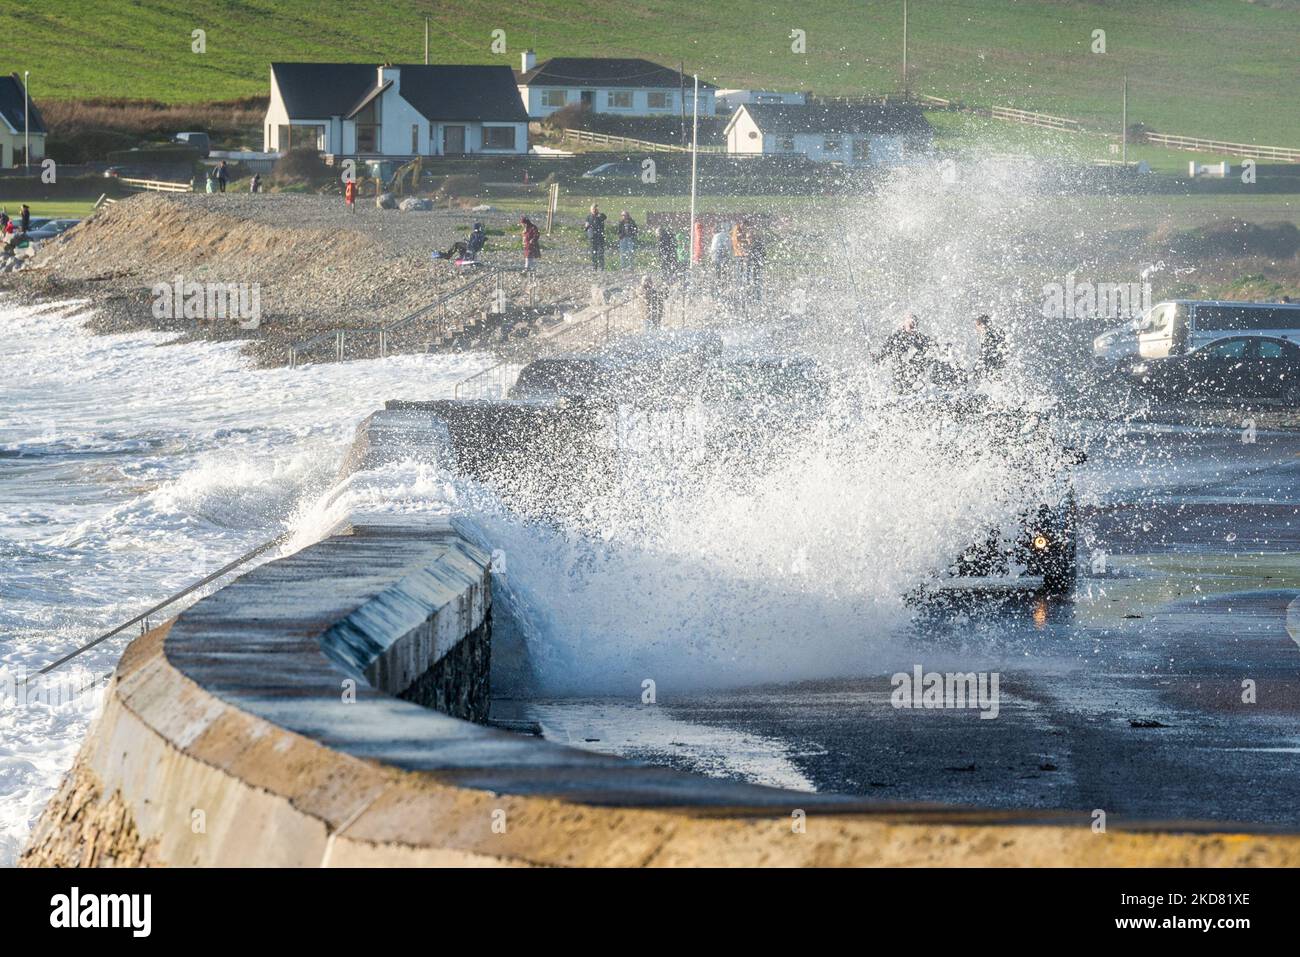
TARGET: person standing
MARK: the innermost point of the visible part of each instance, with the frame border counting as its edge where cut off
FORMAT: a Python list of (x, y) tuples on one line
[(350, 194), (627, 230), (25, 214), (255, 185), (223, 175), (720, 252), (652, 303), (595, 229), (757, 258), (992, 356), (908, 353), (668, 261), (532, 239), (740, 252)]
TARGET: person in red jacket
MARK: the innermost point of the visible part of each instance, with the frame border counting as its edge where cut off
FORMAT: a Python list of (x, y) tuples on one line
[(350, 194), (532, 243)]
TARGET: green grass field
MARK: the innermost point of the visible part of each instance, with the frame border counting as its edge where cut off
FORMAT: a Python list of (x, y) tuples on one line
[(1224, 69)]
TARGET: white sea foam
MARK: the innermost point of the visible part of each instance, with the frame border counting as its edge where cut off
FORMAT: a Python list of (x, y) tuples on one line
[(130, 468)]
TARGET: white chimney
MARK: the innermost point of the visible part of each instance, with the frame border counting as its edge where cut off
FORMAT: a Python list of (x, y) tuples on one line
[(529, 60)]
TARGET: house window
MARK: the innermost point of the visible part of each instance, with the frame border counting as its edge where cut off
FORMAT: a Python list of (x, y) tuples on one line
[(498, 137), (367, 138), (832, 144), (785, 144), (555, 98), (659, 101), (621, 100), (415, 137), (861, 150)]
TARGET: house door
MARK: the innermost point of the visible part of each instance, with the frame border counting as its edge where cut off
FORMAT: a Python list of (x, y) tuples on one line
[(453, 139), (589, 99)]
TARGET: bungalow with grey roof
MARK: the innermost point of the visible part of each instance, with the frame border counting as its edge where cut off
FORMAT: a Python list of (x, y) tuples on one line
[(394, 110), (830, 131), (624, 86)]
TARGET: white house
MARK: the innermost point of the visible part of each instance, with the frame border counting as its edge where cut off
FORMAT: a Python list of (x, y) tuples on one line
[(621, 86), (20, 122), (730, 99), (394, 110), (826, 131)]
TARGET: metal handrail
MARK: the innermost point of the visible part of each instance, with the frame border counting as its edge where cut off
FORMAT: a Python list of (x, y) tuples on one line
[(340, 334), (490, 382), (145, 615)]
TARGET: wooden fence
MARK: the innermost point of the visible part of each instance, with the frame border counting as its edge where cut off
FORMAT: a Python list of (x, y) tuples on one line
[(627, 142)]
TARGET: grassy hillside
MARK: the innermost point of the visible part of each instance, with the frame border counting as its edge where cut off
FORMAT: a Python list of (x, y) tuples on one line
[(1214, 68)]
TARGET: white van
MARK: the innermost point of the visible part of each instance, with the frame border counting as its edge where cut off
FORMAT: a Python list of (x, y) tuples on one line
[(1178, 326)]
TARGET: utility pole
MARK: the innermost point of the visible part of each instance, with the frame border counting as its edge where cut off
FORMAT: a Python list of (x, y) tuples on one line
[(27, 124), (1124, 123), (695, 142), (905, 91), (426, 41), (681, 89)]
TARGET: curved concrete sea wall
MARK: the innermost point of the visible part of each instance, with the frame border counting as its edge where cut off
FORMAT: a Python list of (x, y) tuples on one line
[(325, 709)]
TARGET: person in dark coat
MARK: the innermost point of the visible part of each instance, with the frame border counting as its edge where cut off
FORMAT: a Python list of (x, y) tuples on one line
[(908, 353), (223, 175), (992, 356), (627, 230), (669, 264), (595, 229), (652, 302), (469, 249), (532, 238), (26, 215)]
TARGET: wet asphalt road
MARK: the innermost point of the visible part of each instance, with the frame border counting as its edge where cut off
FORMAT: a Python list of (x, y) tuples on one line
[(1167, 688)]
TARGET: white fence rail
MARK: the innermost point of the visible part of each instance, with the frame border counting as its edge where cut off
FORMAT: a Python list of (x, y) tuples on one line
[(1195, 145), (628, 142), (157, 185)]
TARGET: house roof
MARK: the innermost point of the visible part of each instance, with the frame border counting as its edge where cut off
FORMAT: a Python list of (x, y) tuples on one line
[(830, 116), (443, 92), (605, 71), (438, 92), (12, 100)]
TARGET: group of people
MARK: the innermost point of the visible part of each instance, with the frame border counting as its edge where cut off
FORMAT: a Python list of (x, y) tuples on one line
[(626, 230), (912, 356), (219, 176), (737, 251), (14, 232)]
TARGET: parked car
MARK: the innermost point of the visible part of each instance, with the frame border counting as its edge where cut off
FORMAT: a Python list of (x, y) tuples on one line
[(621, 170), (49, 228), (199, 141), (1234, 367)]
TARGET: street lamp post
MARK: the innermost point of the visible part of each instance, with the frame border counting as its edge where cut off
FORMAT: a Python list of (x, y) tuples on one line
[(27, 125)]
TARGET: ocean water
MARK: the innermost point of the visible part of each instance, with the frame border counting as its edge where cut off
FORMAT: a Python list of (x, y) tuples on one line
[(130, 468)]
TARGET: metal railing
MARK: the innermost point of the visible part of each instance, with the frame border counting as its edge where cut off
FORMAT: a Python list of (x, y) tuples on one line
[(575, 334), (142, 619), (385, 332), (157, 185)]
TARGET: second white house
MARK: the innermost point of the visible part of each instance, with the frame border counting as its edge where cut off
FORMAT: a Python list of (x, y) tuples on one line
[(394, 110)]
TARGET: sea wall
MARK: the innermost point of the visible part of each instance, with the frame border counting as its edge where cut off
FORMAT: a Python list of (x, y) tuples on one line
[(286, 720)]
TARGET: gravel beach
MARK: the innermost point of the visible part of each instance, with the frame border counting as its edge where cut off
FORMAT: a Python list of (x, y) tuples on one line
[(317, 266)]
